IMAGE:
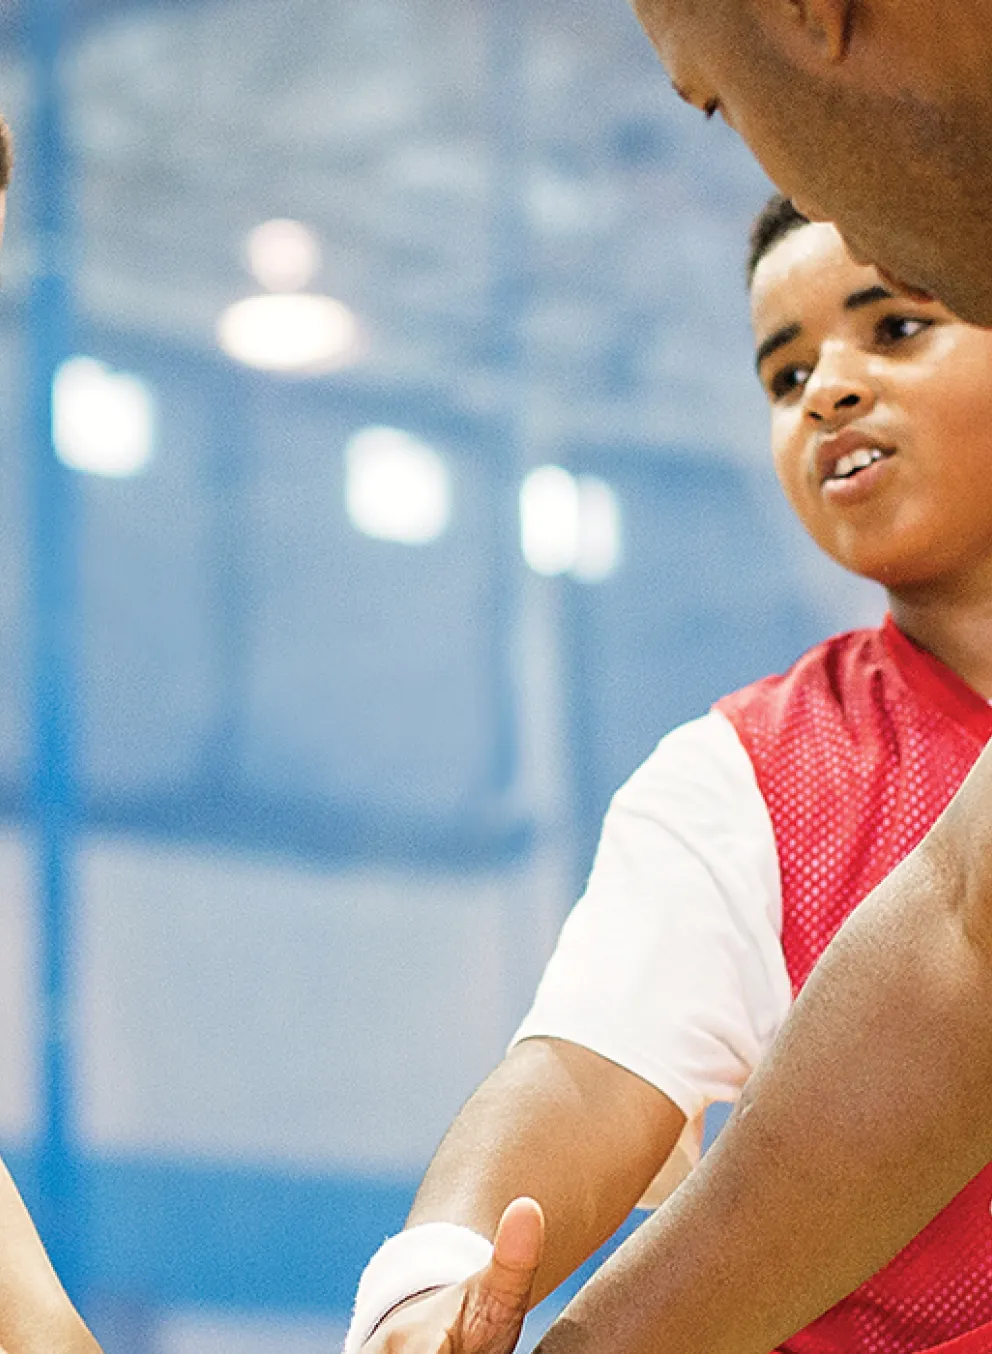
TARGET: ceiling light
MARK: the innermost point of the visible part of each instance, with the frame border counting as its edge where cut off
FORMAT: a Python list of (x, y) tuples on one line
[(549, 519), (283, 255), (396, 487), (597, 552), (103, 421), (569, 525), (298, 332)]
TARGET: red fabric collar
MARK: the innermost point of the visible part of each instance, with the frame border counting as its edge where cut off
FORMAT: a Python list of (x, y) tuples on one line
[(937, 683)]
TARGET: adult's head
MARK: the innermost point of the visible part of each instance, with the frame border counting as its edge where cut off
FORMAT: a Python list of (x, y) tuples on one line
[(881, 416), (6, 164), (875, 114)]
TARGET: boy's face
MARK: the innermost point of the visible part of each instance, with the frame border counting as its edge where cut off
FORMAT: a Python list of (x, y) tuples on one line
[(881, 415), (875, 116)]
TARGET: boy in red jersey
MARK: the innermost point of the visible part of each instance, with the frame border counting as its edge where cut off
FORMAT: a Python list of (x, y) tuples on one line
[(727, 864)]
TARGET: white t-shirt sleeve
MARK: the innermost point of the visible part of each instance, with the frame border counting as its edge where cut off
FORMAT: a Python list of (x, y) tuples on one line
[(671, 962)]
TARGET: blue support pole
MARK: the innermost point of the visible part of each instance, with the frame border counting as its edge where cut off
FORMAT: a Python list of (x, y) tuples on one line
[(44, 178)]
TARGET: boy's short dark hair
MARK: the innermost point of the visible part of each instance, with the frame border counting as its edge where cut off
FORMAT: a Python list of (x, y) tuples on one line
[(6, 154), (776, 219)]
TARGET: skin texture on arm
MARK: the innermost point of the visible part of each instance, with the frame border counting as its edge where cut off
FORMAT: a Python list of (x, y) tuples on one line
[(555, 1122), (872, 1111), (36, 1316), (581, 1135)]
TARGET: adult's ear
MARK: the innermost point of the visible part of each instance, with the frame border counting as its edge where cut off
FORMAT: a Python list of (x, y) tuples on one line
[(826, 23)]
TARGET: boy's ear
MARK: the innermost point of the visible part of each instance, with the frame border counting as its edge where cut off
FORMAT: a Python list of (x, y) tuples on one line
[(826, 23)]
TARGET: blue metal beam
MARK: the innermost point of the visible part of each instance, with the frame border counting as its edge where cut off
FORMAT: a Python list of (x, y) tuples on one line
[(44, 166)]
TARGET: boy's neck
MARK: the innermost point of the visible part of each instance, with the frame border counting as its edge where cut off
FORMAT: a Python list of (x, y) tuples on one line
[(957, 630)]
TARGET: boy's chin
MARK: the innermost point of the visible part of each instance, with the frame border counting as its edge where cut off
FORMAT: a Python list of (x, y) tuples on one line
[(888, 573)]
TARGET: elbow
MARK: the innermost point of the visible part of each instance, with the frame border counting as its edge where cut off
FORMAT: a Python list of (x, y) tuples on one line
[(958, 857), (976, 922), (958, 861)]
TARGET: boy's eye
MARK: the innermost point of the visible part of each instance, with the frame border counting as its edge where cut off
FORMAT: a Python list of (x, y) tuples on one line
[(787, 380), (892, 328)]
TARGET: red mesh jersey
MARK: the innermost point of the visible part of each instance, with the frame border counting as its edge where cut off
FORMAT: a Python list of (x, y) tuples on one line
[(857, 749)]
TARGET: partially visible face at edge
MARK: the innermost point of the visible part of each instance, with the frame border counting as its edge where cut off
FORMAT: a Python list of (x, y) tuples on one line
[(891, 138), (902, 389)]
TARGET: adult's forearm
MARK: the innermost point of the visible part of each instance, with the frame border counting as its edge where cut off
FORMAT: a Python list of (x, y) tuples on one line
[(872, 1111)]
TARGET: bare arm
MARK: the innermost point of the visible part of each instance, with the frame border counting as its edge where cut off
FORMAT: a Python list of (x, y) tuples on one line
[(570, 1129), (872, 1111), (563, 1126), (36, 1316)]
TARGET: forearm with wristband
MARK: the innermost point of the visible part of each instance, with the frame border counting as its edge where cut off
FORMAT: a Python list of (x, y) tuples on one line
[(418, 1260)]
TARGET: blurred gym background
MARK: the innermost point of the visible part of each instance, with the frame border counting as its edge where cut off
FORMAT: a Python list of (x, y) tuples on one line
[(382, 472)]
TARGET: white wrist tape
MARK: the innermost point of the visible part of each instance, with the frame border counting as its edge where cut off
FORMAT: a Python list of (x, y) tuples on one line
[(430, 1255)]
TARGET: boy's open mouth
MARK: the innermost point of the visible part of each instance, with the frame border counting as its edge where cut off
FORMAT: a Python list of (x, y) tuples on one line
[(853, 462), (848, 453)]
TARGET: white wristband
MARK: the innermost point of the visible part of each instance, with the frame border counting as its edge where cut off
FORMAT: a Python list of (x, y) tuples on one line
[(430, 1255)]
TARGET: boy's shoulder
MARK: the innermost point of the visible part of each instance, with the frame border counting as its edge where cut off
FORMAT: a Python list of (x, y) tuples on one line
[(861, 684), (835, 675)]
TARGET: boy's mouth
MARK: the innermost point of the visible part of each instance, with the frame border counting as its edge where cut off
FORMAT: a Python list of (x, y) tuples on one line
[(856, 460), (843, 457)]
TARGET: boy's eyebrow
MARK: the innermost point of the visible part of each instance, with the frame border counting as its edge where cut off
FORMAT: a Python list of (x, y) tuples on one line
[(773, 342), (868, 296)]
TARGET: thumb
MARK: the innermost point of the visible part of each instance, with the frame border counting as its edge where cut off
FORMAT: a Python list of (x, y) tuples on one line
[(497, 1300), (517, 1249)]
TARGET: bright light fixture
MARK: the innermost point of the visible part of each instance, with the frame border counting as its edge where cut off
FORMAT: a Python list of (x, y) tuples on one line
[(294, 333), (549, 519), (103, 421), (569, 525), (396, 487), (598, 549), (284, 255)]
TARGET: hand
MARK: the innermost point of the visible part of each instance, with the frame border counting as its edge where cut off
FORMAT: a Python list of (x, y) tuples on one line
[(482, 1315)]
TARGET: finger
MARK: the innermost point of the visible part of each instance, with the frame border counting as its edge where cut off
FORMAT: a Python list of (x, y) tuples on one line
[(496, 1301)]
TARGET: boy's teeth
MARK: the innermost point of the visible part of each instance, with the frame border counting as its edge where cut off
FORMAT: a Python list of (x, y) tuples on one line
[(855, 460)]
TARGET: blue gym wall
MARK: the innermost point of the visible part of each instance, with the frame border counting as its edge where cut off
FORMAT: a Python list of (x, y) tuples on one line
[(323, 800)]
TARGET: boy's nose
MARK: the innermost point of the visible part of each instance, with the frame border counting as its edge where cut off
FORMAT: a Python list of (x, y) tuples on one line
[(833, 400)]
